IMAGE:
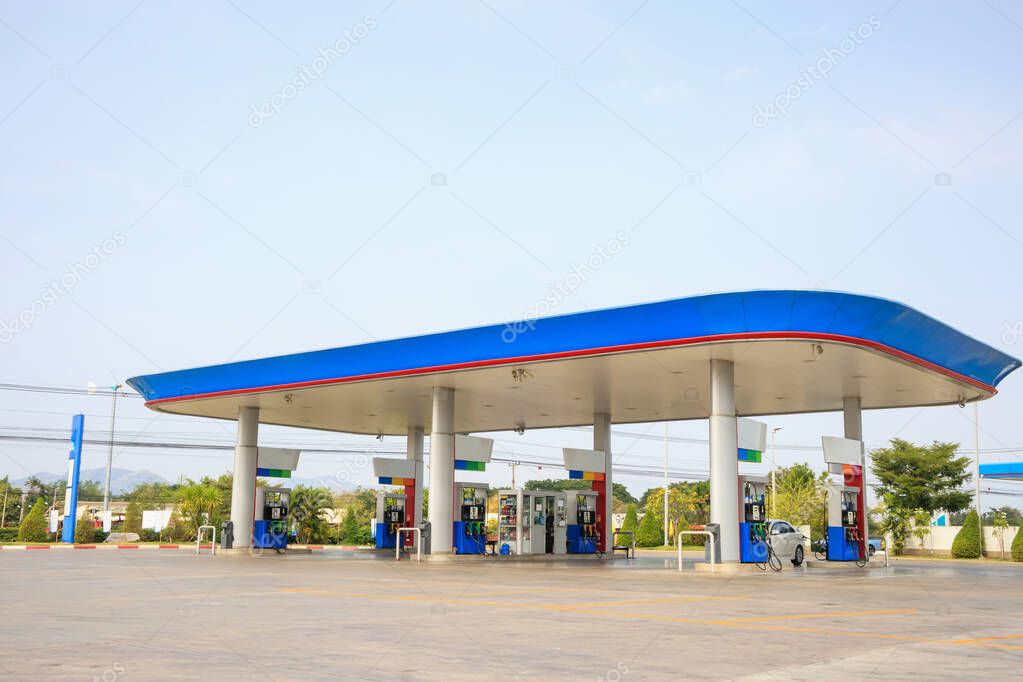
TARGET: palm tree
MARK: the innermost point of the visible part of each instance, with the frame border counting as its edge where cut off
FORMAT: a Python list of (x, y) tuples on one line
[(306, 507), (198, 504)]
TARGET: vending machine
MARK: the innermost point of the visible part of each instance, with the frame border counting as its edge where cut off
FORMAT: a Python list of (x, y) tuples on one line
[(752, 519), (271, 520), (509, 522), (582, 533), (845, 537), (470, 527), (390, 517)]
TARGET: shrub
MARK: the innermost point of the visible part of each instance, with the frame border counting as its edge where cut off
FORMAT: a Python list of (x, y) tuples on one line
[(8, 534), (133, 518), (631, 522), (148, 535), (85, 529), (34, 527), (1017, 545), (650, 533), (968, 543)]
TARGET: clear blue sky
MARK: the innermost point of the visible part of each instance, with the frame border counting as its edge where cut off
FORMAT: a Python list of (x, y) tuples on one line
[(551, 127)]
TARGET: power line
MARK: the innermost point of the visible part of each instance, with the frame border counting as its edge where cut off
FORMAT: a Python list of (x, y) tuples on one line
[(65, 390)]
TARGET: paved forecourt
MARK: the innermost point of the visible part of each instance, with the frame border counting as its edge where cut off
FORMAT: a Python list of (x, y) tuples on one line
[(344, 615)]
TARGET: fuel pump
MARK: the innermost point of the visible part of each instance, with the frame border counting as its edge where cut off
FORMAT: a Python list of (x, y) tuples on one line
[(390, 517), (582, 534), (752, 519), (271, 518), (845, 537), (470, 526)]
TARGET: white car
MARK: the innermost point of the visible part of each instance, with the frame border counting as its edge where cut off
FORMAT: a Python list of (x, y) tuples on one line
[(786, 541)]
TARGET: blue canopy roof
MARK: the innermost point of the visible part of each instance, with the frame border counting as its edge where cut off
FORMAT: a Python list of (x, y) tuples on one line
[(866, 321)]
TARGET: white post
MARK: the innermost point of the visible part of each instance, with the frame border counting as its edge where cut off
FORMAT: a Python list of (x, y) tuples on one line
[(724, 459), (243, 486), (665, 484), (852, 415), (442, 470), (414, 452), (602, 442)]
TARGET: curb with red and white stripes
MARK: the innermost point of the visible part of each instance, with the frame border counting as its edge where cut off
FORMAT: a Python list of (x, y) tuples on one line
[(104, 545)]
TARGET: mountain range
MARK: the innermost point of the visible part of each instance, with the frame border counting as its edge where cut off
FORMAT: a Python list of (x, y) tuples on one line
[(121, 480)]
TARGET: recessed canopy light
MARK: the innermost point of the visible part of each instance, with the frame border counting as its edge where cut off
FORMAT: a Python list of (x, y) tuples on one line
[(544, 414), (859, 376), (630, 408), (487, 405), (372, 415), (781, 397)]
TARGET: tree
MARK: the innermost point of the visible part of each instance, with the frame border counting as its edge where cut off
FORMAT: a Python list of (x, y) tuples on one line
[(799, 497), (34, 527), (631, 522), (650, 533), (916, 480), (133, 518), (199, 504), (13, 497), (922, 477), (968, 544), (921, 527), (683, 502), (353, 530), (1000, 523), (90, 490), (1013, 516), (85, 528), (307, 507), (1017, 545), (618, 491), (176, 529)]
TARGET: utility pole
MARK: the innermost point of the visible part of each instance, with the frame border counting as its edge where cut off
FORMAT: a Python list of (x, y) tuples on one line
[(110, 452), (666, 539), (512, 464), (21, 511), (3, 517), (976, 454), (774, 465)]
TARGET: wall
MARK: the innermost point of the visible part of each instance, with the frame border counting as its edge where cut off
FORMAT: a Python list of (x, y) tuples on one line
[(940, 542)]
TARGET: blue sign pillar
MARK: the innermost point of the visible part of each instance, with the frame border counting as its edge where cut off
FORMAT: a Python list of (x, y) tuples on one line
[(74, 465)]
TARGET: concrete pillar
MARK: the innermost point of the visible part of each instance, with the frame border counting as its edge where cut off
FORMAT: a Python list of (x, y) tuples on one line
[(243, 487), (414, 452), (442, 469), (724, 463), (852, 415), (602, 441)]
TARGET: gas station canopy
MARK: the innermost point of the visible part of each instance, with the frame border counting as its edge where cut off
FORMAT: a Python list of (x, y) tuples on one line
[(793, 352)]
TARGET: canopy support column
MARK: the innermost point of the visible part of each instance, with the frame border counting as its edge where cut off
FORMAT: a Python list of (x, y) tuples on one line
[(724, 462), (852, 414), (414, 452), (602, 442), (442, 470), (243, 485)]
